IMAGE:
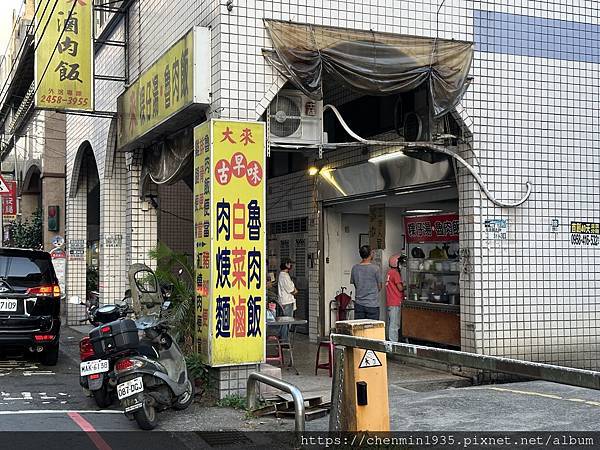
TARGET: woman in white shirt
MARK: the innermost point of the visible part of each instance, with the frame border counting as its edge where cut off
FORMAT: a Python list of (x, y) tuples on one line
[(286, 288)]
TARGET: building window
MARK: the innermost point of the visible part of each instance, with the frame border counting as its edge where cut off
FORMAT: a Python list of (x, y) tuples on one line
[(288, 226)]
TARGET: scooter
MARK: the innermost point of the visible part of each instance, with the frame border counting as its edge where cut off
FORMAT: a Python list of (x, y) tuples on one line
[(96, 372), (156, 378)]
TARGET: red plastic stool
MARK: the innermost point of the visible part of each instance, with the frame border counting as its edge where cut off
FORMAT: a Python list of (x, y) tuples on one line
[(279, 356), (325, 342)]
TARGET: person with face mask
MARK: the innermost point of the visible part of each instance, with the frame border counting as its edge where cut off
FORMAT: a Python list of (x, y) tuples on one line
[(394, 290)]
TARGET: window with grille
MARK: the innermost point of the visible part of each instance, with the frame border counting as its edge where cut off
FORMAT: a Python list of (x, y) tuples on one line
[(288, 226)]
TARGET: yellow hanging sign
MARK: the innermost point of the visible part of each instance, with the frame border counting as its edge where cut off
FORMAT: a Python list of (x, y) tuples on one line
[(64, 75), (230, 208)]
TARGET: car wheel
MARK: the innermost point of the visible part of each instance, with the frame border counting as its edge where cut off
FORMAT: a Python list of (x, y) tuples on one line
[(146, 416), (103, 397), (184, 400), (49, 357)]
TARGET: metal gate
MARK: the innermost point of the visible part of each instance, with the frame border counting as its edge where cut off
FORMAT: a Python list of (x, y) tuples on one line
[(294, 246)]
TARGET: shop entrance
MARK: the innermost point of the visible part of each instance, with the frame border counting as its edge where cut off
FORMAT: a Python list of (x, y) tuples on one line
[(92, 192), (400, 220)]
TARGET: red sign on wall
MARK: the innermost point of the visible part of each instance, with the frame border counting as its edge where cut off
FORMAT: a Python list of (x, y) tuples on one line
[(439, 228), (9, 201)]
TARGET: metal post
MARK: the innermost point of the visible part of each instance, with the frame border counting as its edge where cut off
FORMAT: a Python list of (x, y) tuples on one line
[(252, 394), (337, 386)]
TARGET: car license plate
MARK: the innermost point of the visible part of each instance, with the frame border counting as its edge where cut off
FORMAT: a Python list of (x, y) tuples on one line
[(129, 388), (92, 367), (8, 305)]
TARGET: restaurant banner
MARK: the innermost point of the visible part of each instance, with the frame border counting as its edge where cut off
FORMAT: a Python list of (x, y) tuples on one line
[(179, 78), (230, 250), (64, 62), (9, 202), (434, 228)]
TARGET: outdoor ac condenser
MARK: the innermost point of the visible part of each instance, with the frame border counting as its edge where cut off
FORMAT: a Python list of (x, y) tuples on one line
[(295, 119)]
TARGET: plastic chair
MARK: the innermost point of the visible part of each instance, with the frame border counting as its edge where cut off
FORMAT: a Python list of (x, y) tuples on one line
[(273, 341), (325, 342)]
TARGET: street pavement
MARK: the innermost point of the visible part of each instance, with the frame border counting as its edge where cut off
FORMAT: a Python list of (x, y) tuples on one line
[(35, 398)]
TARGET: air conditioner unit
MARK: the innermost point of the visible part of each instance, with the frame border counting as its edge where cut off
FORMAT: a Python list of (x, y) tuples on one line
[(296, 119)]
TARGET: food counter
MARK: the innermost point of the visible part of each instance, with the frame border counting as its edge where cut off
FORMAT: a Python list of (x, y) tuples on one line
[(433, 322)]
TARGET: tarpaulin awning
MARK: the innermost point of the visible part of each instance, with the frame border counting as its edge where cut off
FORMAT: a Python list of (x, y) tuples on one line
[(370, 62), (168, 161)]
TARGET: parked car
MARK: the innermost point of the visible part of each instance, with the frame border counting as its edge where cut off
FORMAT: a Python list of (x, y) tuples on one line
[(29, 303)]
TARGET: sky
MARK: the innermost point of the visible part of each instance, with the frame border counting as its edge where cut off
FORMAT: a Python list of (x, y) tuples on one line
[(6, 8)]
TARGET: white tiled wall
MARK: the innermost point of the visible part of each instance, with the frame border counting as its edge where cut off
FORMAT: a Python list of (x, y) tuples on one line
[(532, 118)]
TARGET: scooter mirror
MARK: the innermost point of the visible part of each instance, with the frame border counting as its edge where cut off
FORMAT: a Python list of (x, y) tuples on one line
[(75, 300)]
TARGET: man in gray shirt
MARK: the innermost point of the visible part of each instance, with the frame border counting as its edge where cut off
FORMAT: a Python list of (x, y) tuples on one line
[(366, 277)]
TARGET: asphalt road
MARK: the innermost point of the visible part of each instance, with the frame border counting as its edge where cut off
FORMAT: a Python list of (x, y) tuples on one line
[(45, 405)]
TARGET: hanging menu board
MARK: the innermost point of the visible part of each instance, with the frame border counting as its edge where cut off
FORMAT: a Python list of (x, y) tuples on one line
[(435, 228)]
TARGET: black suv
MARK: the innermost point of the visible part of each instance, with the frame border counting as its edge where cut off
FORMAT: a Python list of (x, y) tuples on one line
[(29, 303)]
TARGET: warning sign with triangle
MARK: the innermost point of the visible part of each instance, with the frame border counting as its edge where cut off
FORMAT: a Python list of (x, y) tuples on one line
[(3, 186), (369, 359)]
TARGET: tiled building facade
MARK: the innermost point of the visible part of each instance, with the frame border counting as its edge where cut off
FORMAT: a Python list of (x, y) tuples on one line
[(531, 111)]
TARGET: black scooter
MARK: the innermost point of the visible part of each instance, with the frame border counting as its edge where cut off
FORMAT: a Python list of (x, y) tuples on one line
[(156, 378), (95, 371)]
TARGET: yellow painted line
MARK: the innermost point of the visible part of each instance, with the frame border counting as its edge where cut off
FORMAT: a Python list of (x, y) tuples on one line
[(540, 394)]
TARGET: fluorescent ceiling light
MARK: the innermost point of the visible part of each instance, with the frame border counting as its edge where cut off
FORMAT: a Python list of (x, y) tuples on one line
[(385, 157), (423, 211)]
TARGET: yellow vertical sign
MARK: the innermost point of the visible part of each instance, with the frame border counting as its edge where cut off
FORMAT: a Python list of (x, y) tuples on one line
[(64, 76), (235, 193), (202, 255)]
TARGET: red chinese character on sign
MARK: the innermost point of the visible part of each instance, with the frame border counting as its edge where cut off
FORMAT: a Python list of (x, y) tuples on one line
[(227, 136), (205, 259), (254, 173), (246, 136), (79, 2), (238, 164), (239, 220), (223, 172), (239, 320), (239, 271), (133, 115)]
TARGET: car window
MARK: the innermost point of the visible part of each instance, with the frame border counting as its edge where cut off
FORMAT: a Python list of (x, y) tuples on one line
[(25, 272)]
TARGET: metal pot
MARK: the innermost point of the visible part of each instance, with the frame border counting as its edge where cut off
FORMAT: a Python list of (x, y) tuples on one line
[(454, 299)]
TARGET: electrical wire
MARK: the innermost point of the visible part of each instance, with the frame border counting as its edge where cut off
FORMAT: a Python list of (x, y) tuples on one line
[(14, 28), (8, 78), (55, 47), (439, 149)]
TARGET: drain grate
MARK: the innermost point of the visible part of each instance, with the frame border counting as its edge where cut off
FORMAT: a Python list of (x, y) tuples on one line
[(224, 438)]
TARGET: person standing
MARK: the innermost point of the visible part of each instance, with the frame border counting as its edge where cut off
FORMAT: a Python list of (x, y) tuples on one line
[(287, 289), (366, 278), (394, 293)]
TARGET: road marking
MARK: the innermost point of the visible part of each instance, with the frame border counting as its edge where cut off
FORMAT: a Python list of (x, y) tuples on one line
[(90, 431), (540, 394), (59, 411)]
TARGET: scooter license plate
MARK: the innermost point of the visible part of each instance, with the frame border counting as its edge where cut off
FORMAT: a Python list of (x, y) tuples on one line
[(132, 403), (92, 367), (129, 388)]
